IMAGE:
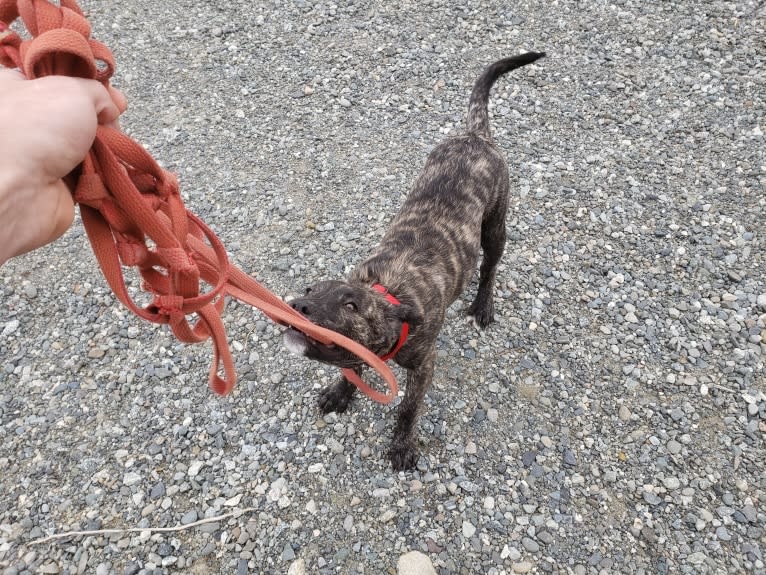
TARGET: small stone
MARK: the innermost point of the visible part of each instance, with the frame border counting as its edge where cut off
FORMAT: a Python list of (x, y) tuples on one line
[(696, 558), (468, 529), (522, 567), (189, 517), (131, 478), (569, 458), (723, 534), (344, 102), (298, 567), (624, 413), (530, 544), (414, 563), (31, 292), (10, 328), (652, 498), (194, 468), (674, 447), (671, 483), (387, 516), (288, 554)]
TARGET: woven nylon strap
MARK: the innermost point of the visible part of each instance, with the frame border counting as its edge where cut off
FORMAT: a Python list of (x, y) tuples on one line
[(133, 213)]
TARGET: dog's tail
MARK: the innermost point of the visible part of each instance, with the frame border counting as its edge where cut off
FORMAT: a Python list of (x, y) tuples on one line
[(478, 116)]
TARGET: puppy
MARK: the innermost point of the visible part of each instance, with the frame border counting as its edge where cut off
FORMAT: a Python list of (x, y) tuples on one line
[(423, 263)]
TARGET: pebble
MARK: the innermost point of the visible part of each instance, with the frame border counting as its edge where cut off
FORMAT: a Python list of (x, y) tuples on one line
[(530, 544), (414, 563), (624, 413), (672, 483), (131, 478), (189, 517), (469, 530), (297, 567), (287, 553)]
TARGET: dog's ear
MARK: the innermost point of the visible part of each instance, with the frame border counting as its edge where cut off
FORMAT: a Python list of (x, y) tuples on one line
[(405, 313)]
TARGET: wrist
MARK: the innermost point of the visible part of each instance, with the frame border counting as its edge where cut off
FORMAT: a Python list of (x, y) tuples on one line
[(12, 182)]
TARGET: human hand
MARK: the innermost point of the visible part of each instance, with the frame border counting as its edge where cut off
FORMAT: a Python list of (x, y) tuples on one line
[(47, 126)]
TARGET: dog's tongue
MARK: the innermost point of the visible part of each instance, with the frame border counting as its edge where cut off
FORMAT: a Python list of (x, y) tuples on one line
[(294, 341)]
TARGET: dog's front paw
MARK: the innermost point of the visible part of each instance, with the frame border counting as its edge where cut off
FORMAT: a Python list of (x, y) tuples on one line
[(403, 455), (482, 312), (334, 398)]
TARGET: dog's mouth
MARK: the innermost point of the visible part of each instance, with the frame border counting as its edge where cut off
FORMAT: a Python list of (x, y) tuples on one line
[(299, 343)]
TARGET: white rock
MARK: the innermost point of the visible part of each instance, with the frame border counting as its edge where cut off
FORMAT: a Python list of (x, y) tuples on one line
[(298, 567), (468, 529), (10, 327), (277, 490), (671, 483), (131, 478), (414, 563), (233, 501), (194, 468)]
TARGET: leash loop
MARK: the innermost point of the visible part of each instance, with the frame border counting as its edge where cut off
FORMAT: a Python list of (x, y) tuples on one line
[(132, 210)]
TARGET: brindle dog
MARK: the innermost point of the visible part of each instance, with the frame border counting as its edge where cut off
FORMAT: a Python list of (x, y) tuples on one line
[(426, 259)]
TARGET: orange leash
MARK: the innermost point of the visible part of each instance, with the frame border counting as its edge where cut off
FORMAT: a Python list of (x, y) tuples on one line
[(125, 198)]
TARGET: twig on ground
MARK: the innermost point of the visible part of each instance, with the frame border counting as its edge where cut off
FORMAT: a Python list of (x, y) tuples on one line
[(67, 534)]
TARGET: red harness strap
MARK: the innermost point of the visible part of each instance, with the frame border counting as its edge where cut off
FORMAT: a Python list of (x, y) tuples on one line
[(126, 198), (405, 326)]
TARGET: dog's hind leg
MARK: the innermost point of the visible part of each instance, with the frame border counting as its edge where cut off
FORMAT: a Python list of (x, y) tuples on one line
[(336, 397), (492, 245)]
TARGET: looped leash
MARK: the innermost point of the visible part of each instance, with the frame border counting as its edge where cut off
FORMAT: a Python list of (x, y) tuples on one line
[(126, 198)]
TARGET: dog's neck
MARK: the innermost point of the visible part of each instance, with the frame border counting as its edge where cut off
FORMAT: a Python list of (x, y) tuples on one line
[(405, 330)]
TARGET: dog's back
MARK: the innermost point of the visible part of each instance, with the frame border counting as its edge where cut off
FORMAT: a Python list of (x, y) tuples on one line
[(433, 242)]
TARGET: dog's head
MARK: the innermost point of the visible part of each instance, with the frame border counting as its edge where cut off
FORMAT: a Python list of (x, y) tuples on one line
[(355, 310)]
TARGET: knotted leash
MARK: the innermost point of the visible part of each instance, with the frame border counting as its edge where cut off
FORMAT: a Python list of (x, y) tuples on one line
[(126, 198)]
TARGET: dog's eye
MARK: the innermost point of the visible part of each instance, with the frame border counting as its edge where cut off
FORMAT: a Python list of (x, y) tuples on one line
[(350, 305)]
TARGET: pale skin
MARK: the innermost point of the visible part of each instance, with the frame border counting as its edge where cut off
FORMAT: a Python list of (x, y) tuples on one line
[(47, 126)]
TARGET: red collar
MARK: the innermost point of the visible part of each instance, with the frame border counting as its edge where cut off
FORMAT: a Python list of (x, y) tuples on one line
[(405, 326)]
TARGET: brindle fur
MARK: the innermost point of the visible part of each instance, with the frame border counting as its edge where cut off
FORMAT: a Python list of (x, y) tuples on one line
[(426, 259)]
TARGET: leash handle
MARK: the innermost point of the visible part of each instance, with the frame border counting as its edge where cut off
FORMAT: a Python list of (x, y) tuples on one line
[(126, 198)]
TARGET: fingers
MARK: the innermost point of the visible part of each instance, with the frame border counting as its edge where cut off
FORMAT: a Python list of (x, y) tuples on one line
[(119, 99), (107, 109)]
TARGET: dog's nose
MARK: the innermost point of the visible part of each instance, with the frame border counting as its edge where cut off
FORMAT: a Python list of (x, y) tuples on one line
[(301, 306)]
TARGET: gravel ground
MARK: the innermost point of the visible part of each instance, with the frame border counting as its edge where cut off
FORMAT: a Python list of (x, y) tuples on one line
[(611, 421)]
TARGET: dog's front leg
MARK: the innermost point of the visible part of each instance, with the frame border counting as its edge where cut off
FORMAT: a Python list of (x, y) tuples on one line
[(337, 396), (404, 447)]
